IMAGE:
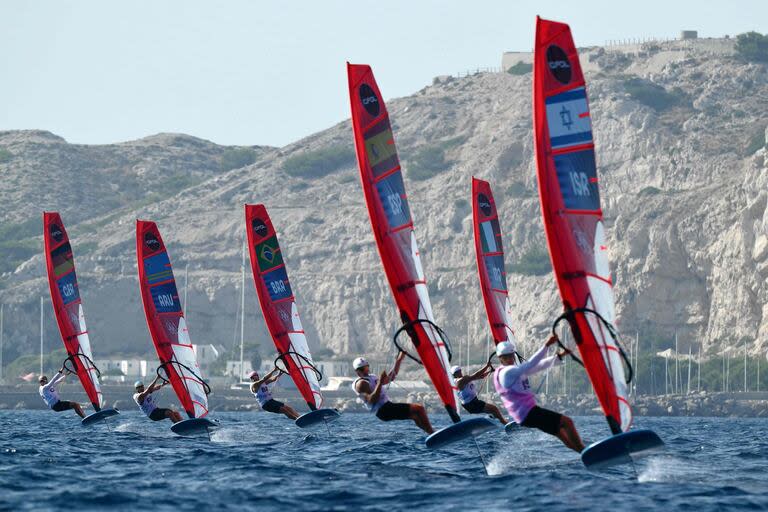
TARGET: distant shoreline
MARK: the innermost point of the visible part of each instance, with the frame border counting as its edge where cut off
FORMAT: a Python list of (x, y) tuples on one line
[(701, 404)]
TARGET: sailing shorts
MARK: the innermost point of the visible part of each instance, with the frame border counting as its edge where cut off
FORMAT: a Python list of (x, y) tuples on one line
[(63, 405), (544, 420), (394, 411), (159, 414), (474, 406), (272, 405)]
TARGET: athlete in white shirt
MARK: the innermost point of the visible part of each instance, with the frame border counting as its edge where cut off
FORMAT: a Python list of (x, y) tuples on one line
[(511, 382), (468, 392), (146, 402), (263, 393), (371, 391), (50, 393)]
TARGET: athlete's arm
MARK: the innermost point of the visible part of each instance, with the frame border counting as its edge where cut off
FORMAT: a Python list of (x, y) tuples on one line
[(481, 373), (545, 363), (383, 379), (396, 369)]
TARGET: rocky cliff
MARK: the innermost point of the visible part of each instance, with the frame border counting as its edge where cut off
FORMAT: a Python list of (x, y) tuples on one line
[(681, 158)]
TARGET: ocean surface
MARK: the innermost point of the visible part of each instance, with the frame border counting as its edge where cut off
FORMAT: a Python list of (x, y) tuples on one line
[(260, 461)]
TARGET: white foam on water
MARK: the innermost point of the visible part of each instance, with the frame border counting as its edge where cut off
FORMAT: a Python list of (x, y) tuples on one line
[(663, 468)]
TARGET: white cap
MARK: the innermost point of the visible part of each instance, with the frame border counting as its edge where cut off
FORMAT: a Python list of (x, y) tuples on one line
[(359, 362), (253, 374), (455, 370), (505, 348), (138, 384)]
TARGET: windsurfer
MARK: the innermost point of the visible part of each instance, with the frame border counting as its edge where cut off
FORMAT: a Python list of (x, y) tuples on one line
[(511, 382), (468, 392), (146, 402), (261, 390), (49, 392), (370, 390)]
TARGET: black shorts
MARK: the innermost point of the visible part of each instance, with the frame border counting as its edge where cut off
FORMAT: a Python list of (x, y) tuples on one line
[(63, 405), (272, 405), (544, 420), (159, 414), (475, 406), (393, 411)]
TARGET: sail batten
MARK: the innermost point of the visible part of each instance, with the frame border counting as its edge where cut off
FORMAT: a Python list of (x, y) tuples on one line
[(68, 307), (573, 218), (166, 323), (384, 190)]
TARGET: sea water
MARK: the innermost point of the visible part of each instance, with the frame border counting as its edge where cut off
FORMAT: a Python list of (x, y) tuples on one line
[(261, 461)]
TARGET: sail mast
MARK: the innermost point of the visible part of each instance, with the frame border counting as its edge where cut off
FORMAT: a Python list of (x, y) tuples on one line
[(41, 335), (2, 307), (242, 313)]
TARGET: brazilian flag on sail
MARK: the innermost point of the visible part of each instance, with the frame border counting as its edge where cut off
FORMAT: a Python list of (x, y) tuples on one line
[(268, 254)]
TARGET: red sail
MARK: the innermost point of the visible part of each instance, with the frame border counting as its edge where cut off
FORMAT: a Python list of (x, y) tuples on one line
[(278, 303), (166, 322), (67, 306), (573, 219), (489, 251), (384, 191)]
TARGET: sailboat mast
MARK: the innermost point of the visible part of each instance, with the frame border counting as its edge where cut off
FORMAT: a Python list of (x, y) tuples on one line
[(242, 311), (2, 306), (186, 281), (41, 335)]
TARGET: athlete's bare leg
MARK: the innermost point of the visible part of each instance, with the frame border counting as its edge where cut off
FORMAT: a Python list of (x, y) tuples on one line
[(172, 415), (289, 411), (419, 416), (78, 409), (569, 435), (495, 412)]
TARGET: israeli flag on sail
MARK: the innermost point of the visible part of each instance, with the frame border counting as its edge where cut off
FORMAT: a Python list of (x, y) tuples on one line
[(568, 119)]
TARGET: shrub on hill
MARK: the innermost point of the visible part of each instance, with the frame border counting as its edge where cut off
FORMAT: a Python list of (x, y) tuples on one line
[(319, 162), (653, 95), (5, 155), (534, 262), (752, 47), (520, 68), (235, 158), (755, 142), (429, 161)]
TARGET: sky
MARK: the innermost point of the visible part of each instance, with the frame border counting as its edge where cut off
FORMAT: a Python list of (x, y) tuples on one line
[(250, 72)]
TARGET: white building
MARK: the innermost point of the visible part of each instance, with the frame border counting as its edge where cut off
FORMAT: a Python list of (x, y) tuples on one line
[(128, 369), (233, 369), (331, 369)]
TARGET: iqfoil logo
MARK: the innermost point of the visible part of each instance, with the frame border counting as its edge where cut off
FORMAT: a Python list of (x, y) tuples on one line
[(558, 64), (369, 100)]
